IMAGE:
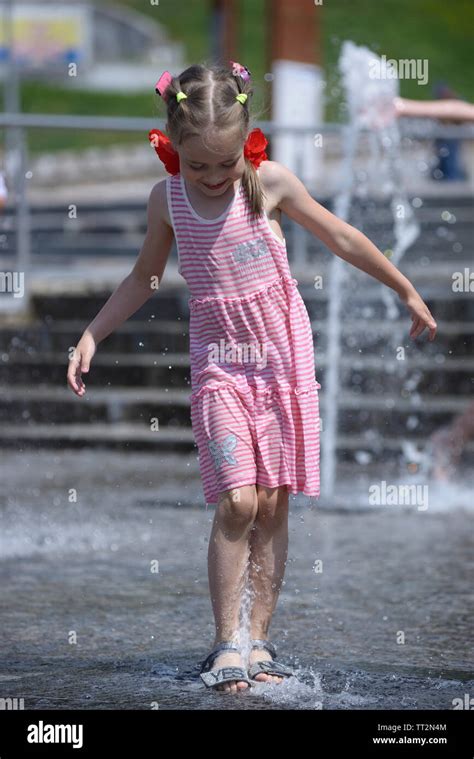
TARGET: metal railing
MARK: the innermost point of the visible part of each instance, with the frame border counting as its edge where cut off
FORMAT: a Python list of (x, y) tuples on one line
[(19, 161)]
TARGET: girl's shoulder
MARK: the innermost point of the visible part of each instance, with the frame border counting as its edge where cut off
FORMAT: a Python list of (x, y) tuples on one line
[(158, 202), (272, 176)]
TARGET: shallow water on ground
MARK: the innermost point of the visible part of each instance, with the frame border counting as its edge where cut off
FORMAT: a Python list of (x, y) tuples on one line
[(86, 623)]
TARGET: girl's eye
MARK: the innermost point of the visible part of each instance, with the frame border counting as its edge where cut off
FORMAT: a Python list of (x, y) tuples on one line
[(227, 165)]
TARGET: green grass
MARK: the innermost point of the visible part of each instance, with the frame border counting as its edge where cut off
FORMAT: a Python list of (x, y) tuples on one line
[(40, 98), (438, 31), (432, 29)]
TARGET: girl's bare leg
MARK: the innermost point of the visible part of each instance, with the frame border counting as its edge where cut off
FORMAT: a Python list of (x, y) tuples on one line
[(227, 563), (268, 555)]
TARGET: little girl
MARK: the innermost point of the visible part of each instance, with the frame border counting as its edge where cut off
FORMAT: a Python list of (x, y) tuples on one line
[(254, 399)]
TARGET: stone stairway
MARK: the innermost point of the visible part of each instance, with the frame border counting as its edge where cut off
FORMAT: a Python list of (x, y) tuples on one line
[(138, 387)]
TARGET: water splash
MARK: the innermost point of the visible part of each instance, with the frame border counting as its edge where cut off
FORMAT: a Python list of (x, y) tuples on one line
[(370, 93), (370, 106), (247, 601)]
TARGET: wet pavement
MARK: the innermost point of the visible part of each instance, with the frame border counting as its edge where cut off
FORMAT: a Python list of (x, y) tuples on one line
[(105, 605)]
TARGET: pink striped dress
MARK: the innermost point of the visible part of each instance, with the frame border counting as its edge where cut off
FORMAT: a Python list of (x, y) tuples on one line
[(254, 395)]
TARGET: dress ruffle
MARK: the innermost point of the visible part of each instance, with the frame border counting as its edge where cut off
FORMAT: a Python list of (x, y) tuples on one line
[(274, 432), (269, 391), (195, 302)]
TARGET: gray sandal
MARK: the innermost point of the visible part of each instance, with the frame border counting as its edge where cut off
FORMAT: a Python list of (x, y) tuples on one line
[(268, 667), (224, 674)]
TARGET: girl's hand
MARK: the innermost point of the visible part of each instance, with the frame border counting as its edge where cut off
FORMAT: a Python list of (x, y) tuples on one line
[(80, 362), (420, 315)]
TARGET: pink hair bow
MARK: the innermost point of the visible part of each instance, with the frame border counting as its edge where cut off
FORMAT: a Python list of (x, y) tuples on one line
[(239, 70), (162, 84)]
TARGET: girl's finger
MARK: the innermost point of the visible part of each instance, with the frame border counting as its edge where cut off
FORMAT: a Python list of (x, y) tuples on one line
[(420, 328), (432, 326), (71, 374), (79, 379), (74, 375), (415, 324)]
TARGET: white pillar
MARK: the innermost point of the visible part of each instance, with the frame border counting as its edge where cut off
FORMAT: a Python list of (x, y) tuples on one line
[(297, 101)]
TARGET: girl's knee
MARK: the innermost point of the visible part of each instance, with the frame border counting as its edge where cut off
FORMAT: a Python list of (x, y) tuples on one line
[(239, 504), (272, 504)]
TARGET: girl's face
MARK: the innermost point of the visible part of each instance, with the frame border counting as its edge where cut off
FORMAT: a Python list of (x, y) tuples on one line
[(212, 171)]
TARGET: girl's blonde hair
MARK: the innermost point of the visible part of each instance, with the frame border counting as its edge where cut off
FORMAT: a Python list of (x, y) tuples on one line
[(211, 104)]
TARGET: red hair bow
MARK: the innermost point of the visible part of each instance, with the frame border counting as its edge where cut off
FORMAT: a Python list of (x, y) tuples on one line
[(254, 149)]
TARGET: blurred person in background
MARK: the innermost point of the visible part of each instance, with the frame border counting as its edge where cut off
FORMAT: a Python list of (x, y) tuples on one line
[(3, 191), (448, 109), (446, 445)]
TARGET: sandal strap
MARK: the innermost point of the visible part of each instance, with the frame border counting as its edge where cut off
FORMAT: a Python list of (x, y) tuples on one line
[(224, 675), (269, 668), (224, 645), (259, 643)]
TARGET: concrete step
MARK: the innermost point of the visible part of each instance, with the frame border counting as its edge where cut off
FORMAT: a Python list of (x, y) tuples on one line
[(138, 437), (161, 337), (119, 229), (118, 435), (358, 361), (396, 412), (173, 370), (171, 302), (433, 245), (126, 215), (172, 336), (117, 369)]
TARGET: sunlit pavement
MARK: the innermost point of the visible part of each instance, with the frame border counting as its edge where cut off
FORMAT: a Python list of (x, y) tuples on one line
[(105, 599)]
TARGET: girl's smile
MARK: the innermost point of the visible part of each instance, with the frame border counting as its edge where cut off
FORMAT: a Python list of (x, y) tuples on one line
[(213, 172), (215, 186)]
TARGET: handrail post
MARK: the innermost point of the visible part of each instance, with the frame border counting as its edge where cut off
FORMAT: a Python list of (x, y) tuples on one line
[(23, 226)]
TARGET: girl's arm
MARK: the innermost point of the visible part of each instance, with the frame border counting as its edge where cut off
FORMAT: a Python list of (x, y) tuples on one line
[(137, 287), (346, 242)]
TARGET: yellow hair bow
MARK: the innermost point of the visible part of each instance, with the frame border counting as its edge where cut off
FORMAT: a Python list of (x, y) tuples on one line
[(180, 96), (242, 97)]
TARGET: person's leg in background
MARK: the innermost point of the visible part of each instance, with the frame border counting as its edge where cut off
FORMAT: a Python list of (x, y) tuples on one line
[(448, 444)]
